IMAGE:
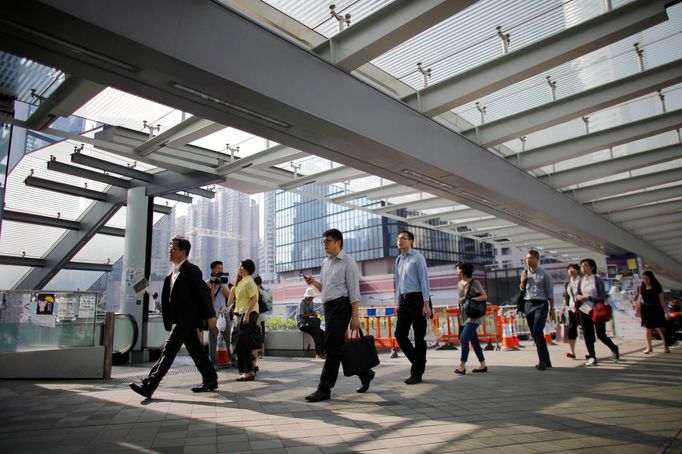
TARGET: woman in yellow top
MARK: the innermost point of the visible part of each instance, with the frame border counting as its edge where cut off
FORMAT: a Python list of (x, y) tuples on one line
[(244, 296)]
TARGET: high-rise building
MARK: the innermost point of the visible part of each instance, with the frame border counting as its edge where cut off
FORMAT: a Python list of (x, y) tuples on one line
[(369, 238), (268, 245)]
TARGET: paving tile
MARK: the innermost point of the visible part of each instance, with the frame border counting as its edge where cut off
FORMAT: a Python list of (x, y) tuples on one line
[(631, 407)]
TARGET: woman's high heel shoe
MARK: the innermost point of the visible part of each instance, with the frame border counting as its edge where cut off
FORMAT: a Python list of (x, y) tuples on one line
[(646, 352)]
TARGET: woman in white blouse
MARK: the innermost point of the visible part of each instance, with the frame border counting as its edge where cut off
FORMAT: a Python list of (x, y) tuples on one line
[(591, 290)]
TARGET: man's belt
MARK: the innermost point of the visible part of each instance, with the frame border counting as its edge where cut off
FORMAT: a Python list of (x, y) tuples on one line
[(537, 301), (410, 296), (340, 300)]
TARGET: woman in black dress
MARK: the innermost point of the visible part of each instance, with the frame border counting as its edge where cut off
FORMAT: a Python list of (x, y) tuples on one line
[(652, 309)]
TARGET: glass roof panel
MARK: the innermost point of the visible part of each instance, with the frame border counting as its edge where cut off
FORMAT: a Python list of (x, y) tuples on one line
[(470, 38), (19, 77), (19, 239), (117, 108), (100, 249), (661, 44), (315, 14), (10, 275)]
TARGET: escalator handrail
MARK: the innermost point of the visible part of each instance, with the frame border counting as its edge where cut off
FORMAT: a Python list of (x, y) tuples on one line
[(129, 346)]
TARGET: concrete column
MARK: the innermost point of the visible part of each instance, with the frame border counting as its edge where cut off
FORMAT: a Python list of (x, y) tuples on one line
[(134, 254)]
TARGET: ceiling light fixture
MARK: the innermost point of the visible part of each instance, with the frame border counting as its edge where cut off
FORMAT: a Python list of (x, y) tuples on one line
[(229, 105), (429, 179), (69, 46)]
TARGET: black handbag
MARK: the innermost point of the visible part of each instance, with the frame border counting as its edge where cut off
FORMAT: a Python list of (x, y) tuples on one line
[(471, 307), (358, 355)]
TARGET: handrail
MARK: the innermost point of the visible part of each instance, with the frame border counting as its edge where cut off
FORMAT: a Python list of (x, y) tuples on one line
[(122, 346)]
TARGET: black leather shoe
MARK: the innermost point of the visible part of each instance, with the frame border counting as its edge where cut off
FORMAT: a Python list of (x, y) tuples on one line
[(365, 382), (541, 365), (144, 390), (317, 396), (205, 388), (413, 380)]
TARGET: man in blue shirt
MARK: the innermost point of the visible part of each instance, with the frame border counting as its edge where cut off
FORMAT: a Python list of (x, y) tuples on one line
[(539, 296), (412, 295)]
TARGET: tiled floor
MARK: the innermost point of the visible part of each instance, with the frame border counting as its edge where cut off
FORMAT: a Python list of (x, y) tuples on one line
[(634, 406)]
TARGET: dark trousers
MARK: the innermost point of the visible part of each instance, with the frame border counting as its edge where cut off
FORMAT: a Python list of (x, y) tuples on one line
[(182, 334), (337, 316), (536, 317), (246, 342), (589, 327), (410, 314), (572, 325), (317, 334)]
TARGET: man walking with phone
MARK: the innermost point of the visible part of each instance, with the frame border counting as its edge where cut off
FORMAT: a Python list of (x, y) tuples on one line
[(340, 287), (539, 288)]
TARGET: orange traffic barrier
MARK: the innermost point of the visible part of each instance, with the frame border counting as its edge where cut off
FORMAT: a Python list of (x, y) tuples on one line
[(379, 322), (515, 338)]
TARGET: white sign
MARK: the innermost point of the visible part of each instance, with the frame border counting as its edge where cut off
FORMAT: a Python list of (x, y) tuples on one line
[(67, 308), (86, 308)]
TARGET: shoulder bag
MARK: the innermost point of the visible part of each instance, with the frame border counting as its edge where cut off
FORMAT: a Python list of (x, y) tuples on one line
[(471, 307)]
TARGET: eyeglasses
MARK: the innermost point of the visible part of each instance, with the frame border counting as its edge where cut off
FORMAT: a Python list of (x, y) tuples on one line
[(328, 241)]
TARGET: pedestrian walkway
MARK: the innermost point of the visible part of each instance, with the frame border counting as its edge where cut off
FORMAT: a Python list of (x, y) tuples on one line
[(634, 406)]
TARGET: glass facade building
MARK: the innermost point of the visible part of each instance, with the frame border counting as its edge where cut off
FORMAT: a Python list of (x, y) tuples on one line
[(302, 220)]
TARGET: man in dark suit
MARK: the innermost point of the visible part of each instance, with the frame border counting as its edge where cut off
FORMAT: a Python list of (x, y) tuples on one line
[(186, 306)]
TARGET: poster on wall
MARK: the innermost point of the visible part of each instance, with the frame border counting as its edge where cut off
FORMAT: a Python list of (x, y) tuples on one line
[(624, 277), (45, 304), (86, 306), (67, 308)]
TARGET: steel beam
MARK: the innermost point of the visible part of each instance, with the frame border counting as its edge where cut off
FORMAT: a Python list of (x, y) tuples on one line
[(112, 231), (385, 29), (326, 177), (664, 236), (653, 221), (187, 131), (613, 166), (658, 228), (575, 106), (538, 57), (64, 188), (177, 197), (205, 193), (90, 161), (624, 185), (632, 200), (36, 219), (462, 213), (646, 211), (269, 157), (378, 193), (21, 261), (86, 266), (416, 205), (63, 102), (599, 140), (88, 174)]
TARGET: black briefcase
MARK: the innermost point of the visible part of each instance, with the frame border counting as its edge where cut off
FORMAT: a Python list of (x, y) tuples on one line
[(359, 355)]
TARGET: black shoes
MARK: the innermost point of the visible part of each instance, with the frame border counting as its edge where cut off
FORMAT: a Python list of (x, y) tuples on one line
[(480, 370), (413, 379), (143, 390), (205, 388), (317, 396), (542, 366), (365, 382)]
